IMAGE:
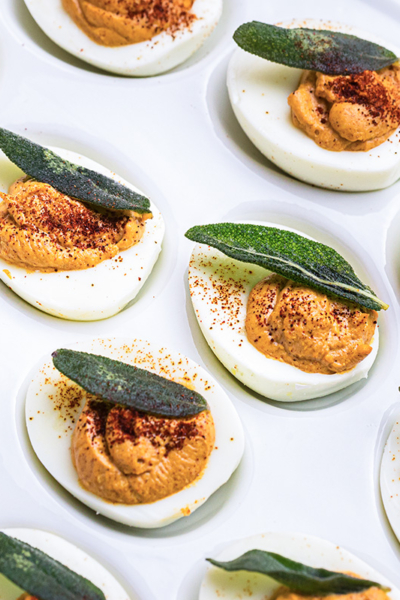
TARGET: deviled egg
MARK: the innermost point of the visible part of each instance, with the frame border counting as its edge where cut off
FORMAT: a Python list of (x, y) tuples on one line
[(287, 341), (58, 567), (127, 37), (390, 476), (368, 113), (147, 457), (307, 550), (71, 259)]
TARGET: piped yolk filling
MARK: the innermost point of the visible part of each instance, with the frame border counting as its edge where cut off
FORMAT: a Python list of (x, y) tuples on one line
[(304, 328)]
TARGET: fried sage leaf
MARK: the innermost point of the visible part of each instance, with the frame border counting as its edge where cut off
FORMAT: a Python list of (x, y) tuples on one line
[(120, 383), (66, 177), (329, 52), (40, 575), (288, 254), (296, 576)]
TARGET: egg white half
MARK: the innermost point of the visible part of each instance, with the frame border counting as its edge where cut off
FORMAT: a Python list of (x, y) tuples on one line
[(160, 54), (222, 316), (87, 294), (258, 91), (70, 556), (390, 477), (302, 548), (50, 431)]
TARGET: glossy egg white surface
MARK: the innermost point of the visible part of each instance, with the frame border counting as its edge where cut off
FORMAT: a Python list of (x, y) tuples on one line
[(219, 288), (87, 294), (258, 91), (162, 53), (70, 556), (390, 476), (50, 431), (309, 550)]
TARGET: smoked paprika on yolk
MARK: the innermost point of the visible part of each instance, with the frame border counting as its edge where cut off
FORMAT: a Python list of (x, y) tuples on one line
[(352, 112), (43, 229), (304, 328), (123, 22)]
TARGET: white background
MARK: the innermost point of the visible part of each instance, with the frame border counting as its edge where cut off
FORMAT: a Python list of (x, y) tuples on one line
[(310, 468)]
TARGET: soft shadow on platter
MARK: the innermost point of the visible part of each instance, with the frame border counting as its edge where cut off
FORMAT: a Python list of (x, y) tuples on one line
[(190, 586), (231, 135), (39, 39), (392, 251), (390, 416)]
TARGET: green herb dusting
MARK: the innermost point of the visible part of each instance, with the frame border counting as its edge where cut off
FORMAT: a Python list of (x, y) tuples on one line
[(66, 177), (329, 52), (120, 383), (40, 575), (291, 255), (296, 576)]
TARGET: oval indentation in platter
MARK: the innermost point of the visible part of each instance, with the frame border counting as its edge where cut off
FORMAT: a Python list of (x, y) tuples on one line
[(392, 248), (226, 498), (74, 557), (318, 227), (23, 26), (387, 475), (117, 162), (229, 133)]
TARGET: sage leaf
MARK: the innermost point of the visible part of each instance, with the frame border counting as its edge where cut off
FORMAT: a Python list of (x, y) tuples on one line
[(120, 383), (68, 178), (291, 255), (40, 575), (296, 576), (329, 52)]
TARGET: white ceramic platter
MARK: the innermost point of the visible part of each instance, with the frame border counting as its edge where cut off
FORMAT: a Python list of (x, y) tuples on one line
[(310, 467)]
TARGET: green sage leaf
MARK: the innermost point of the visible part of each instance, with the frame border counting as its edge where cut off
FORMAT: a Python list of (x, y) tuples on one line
[(296, 576), (66, 177), (40, 575), (120, 383), (291, 255), (330, 52)]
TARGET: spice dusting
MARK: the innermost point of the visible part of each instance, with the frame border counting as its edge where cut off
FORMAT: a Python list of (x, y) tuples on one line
[(124, 424), (41, 228), (123, 22), (348, 112)]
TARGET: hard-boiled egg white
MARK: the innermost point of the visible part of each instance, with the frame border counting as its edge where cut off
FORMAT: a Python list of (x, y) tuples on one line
[(259, 89), (390, 476), (162, 53), (219, 288), (306, 549), (50, 429), (70, 556), (88, 294)]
